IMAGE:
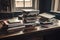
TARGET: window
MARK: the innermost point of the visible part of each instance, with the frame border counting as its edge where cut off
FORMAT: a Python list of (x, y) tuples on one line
[(55, 5), (17, 5), (23, 3)]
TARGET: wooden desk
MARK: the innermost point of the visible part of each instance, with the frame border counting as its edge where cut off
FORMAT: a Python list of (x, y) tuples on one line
[(21, 32)]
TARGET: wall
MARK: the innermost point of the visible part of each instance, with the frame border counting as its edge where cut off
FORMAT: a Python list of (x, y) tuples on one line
[(45, 5), (9, 15), (5, 5)]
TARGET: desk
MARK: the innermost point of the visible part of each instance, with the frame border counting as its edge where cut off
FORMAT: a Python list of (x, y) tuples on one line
[(21, 32)]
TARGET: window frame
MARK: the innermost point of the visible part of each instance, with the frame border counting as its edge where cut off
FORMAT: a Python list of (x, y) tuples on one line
[(26, 7), (13, 8)]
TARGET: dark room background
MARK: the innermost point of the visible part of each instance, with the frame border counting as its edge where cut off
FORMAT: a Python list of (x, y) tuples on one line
[(44, 5)]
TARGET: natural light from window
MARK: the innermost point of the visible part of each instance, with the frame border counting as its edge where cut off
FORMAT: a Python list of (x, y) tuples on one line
[(22, 0), (23, 3)]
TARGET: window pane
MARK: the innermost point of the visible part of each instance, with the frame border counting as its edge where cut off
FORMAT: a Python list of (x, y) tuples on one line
[(18, 0), (28, 3), (18, 3), (27, 0)]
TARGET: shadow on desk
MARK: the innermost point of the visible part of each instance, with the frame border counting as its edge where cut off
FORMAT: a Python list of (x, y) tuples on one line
[(40, 35)]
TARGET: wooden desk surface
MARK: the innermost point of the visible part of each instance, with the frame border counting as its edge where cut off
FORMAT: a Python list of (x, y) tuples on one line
[(38, 29), (21, 32)]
